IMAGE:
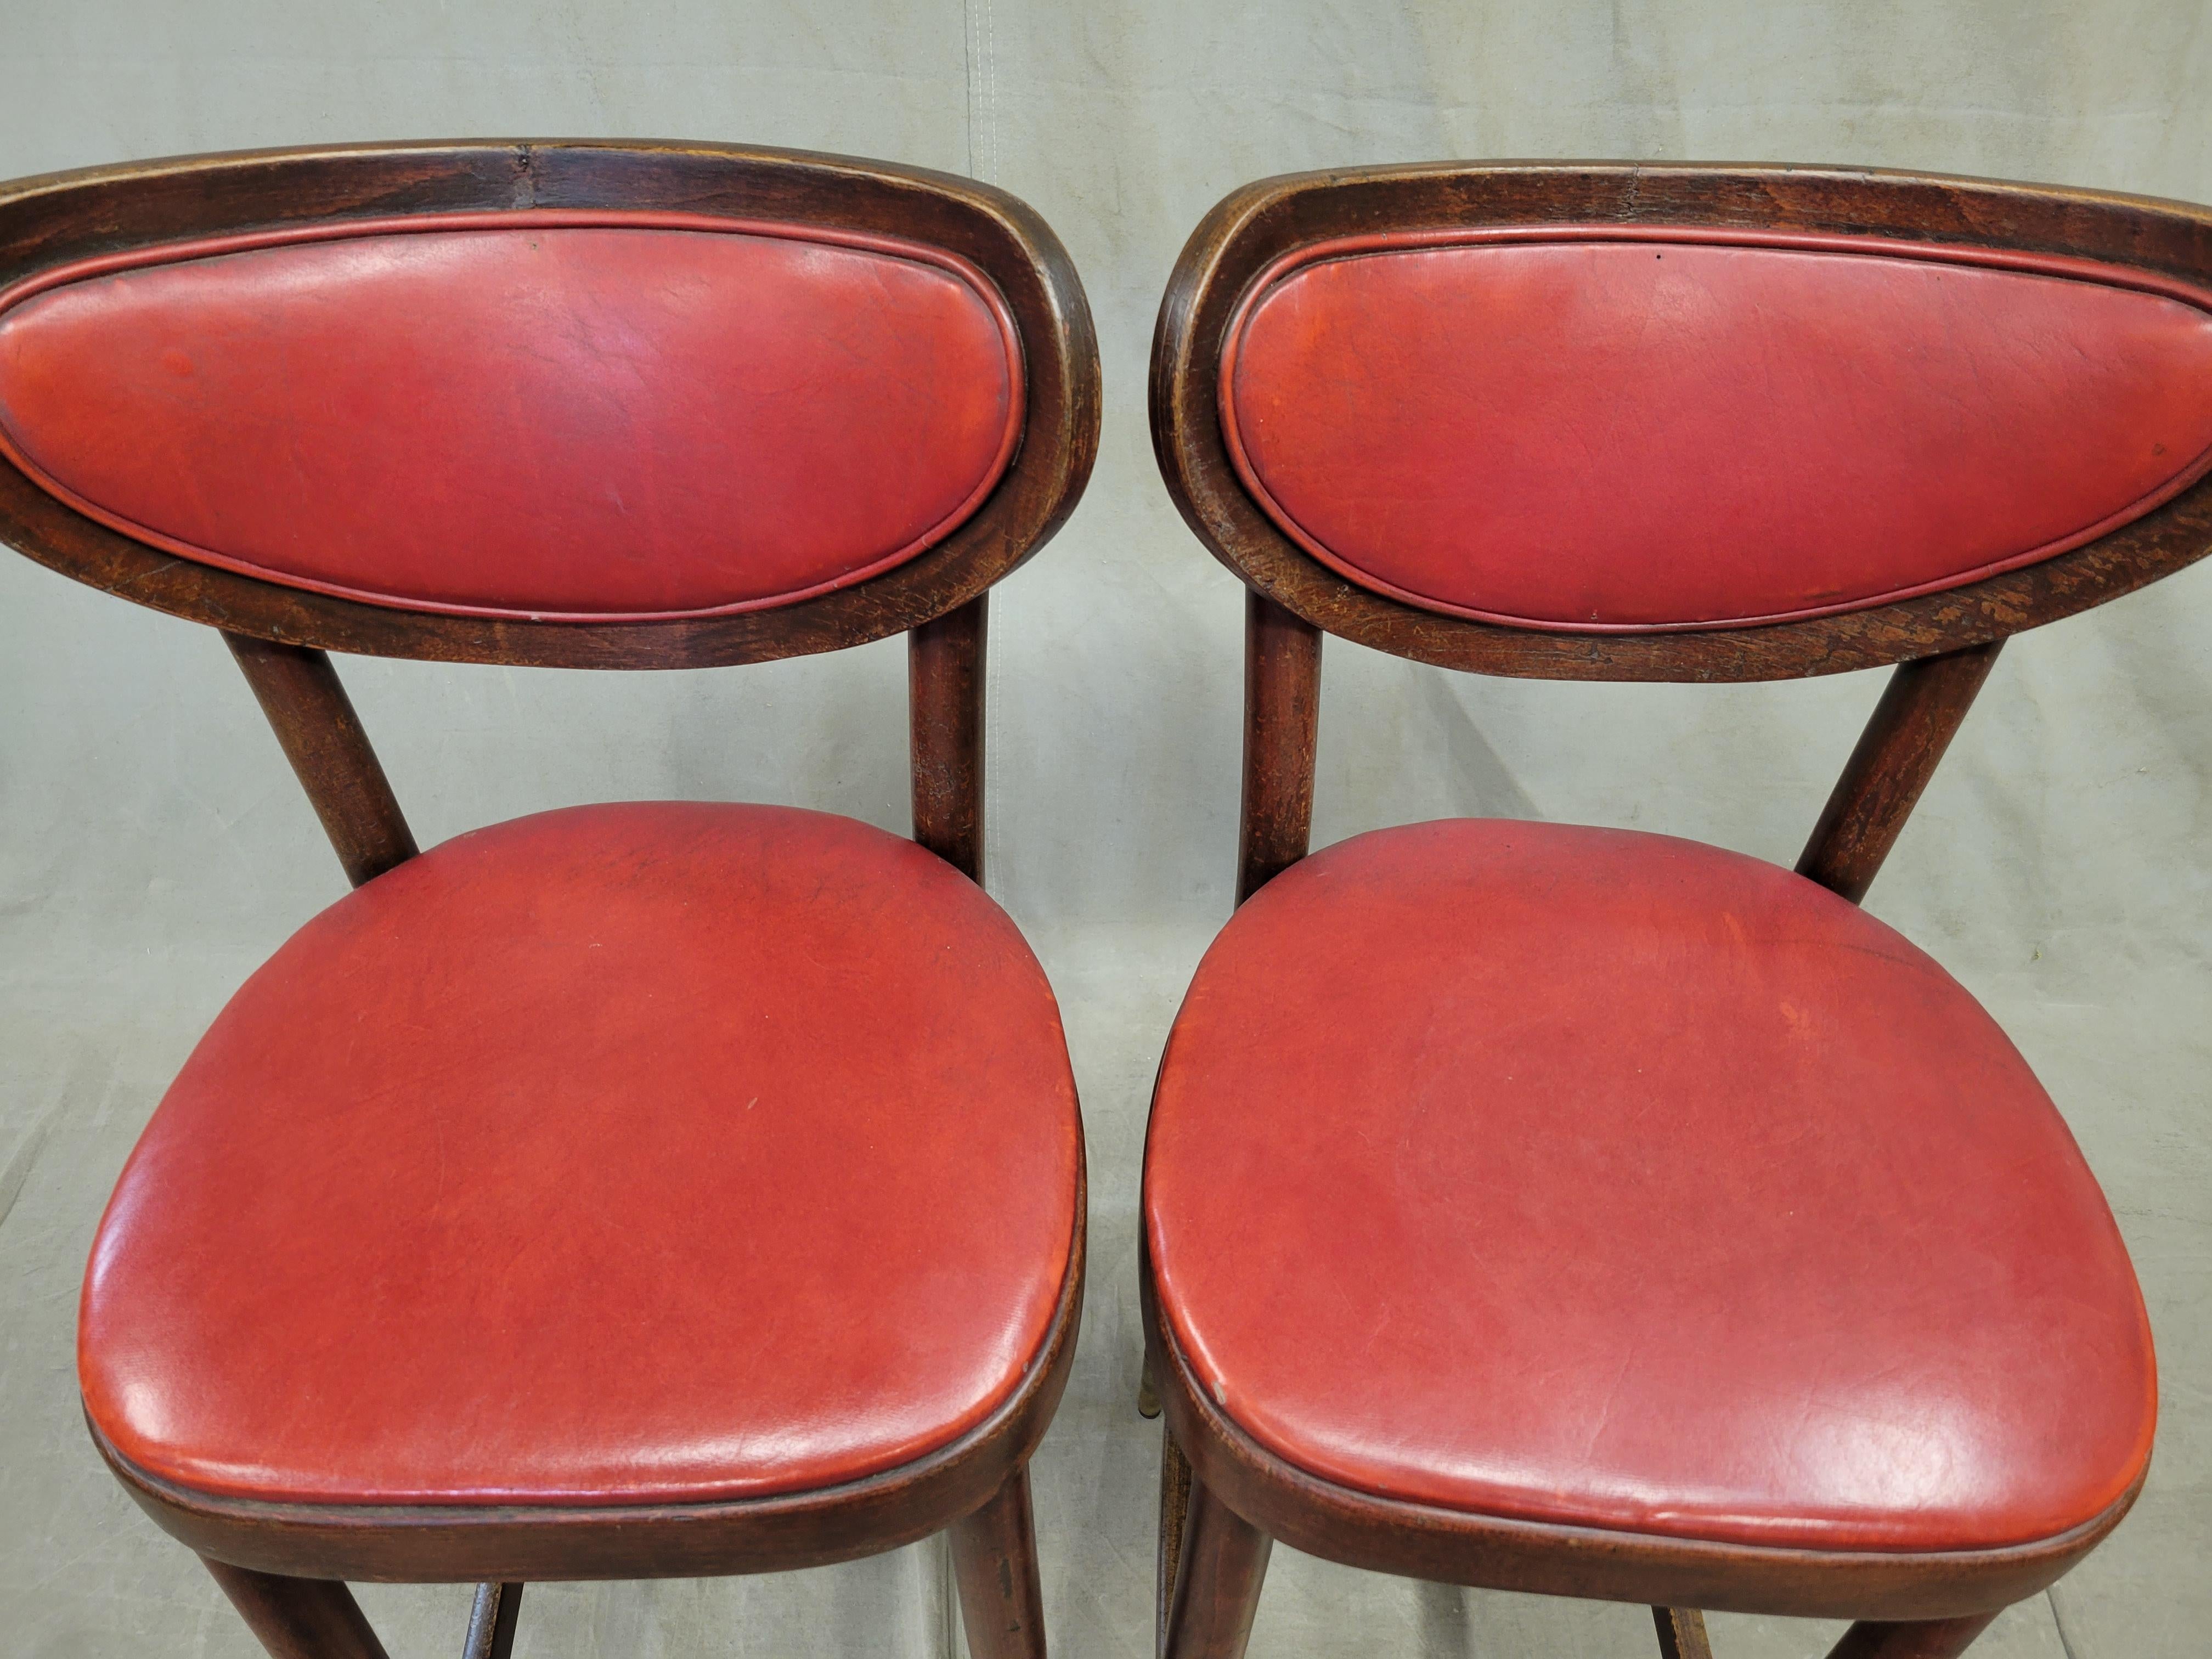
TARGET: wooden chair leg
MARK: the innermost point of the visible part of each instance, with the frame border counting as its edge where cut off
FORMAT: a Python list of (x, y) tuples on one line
[(995, 1560), (1148, 1392), (1174, 1498), (491, 1623), (1217, 1589), (1681, 1633), (299, 1617), (1933, 1639)]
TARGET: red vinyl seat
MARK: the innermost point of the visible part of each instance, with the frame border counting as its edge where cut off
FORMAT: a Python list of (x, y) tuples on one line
[(1610, 1180), (634, 1153)]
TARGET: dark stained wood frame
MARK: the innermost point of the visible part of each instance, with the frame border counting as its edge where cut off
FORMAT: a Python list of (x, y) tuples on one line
[(1221, 1504), (283, 1565)]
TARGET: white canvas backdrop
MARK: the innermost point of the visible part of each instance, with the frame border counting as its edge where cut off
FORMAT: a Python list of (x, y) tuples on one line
[(154, 847)]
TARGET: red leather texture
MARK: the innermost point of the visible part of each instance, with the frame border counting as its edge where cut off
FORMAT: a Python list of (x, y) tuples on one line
[(1599, 1178), (550, 414), (1570, 430), (627, 1154)]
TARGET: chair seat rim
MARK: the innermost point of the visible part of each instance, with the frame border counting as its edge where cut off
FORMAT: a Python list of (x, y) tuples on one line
[(461, 1543), (1322, 1518)]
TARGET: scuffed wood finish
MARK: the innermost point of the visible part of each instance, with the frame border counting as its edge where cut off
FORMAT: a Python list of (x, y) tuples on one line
[(51, 220), (492, 1622), (1175, 1508), (1282, 715), (322, 737), (1919, 713), (1941, 1638), (1681, 1633), (299, 1617), (994, 1561), (1216, 1591), (1253, 226), (944, 695)]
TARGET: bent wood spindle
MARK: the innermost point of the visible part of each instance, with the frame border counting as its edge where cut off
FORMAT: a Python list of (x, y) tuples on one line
[(1217, 1589), (1681, 1633), (995, 1564), (1282, 715), (1921, 710), (492, 1621), (1935, 1638), (1175, 1481), (298, 1618), (945, 691), (313, 719)]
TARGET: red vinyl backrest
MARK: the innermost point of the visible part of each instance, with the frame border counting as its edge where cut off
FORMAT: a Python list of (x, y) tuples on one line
[(1609, 429), (606, 404), (566, 415)]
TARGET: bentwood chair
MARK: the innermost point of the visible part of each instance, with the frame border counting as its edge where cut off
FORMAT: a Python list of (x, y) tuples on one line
[(634, 1190), (1566, 1209)]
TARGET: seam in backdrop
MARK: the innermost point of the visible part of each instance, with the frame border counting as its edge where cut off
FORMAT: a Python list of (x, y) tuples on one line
[(979, 42), (981, 31)]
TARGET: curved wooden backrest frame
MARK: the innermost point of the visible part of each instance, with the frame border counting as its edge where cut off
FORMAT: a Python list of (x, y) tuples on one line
[(1944, 643), (1253, 230), (280, 633), (67, 218)]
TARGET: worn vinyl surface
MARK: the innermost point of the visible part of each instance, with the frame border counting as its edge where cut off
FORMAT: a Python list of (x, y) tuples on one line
[(618, 1114), (154, 848), (583, 415), (1437, 1154), (1581, 430)]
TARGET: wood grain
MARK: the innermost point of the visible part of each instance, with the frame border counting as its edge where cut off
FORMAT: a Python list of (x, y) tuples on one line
[(492, 1621), (322, 737), (299, 1617), (1224, 1563), (1174, 1509), (946, 688), (994, 1561), (1282, 716), (1919, 714), (1681, 1633)]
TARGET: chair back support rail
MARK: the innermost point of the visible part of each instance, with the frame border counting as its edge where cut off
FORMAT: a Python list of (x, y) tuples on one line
[(478, 527), (1471, 415)]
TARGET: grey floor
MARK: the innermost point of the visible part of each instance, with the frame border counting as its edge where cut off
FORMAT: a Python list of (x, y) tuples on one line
[(81, 1573)]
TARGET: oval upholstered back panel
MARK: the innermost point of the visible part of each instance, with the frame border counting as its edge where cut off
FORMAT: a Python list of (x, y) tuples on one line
[(1602, 430), (562, 415)]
